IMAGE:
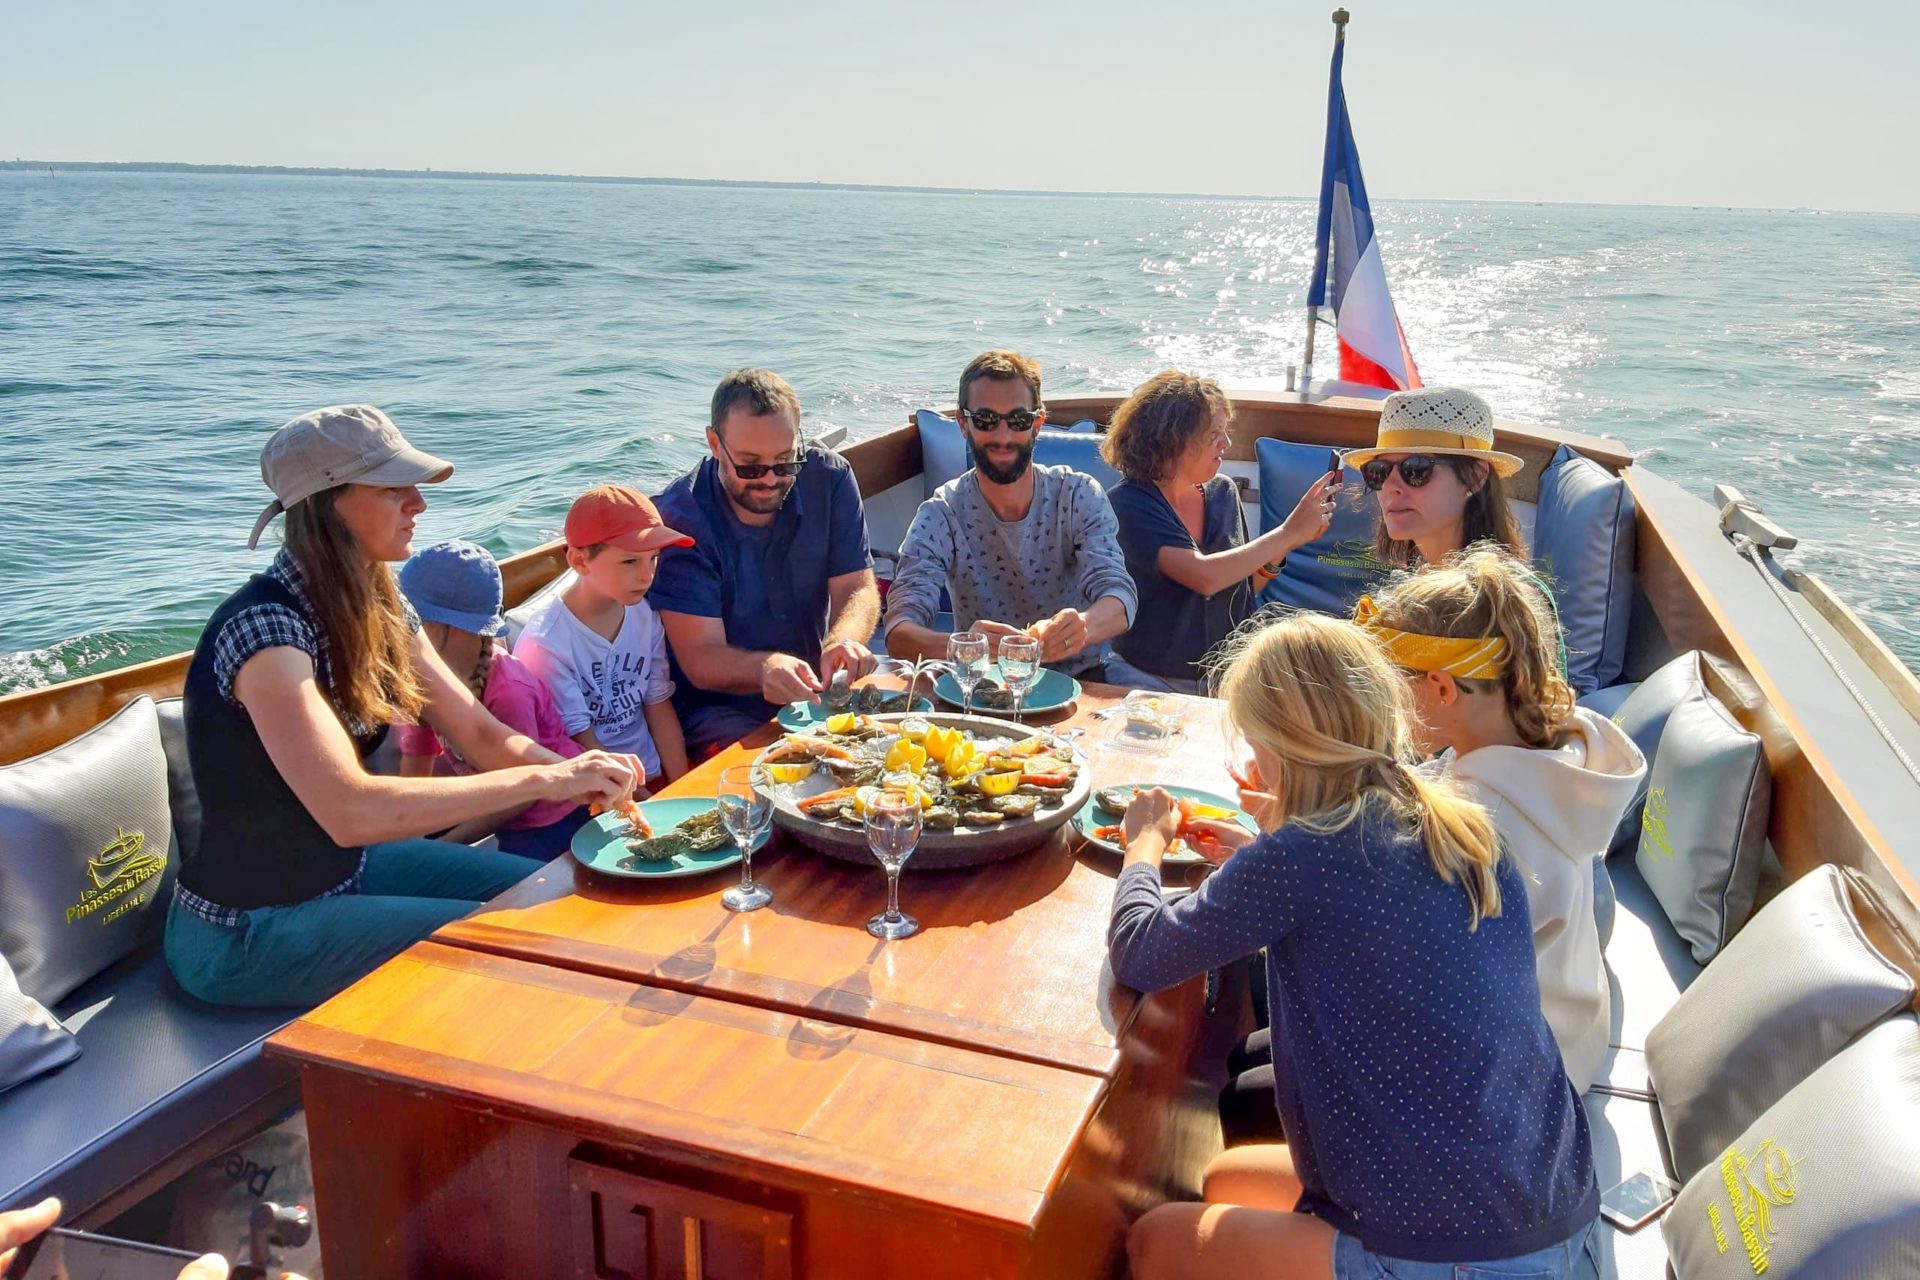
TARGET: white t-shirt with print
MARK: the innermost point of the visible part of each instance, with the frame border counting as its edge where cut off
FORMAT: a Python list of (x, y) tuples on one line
[(601, 685)]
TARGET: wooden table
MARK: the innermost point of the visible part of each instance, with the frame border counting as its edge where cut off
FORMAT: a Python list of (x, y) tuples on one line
[(602, 1078)]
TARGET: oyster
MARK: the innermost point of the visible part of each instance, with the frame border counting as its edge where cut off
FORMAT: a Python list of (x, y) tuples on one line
[(993, 697), (875, 701), (1015, 806), (1046, 793), (941, 817), (1113, 799), (702, 833), (839, 693), (854, 773), (981, 818)]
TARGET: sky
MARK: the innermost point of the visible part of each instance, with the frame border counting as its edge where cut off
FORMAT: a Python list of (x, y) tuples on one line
[(1756, 103)]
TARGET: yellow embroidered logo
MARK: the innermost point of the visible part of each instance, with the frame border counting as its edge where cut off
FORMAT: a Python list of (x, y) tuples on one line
[(1352, 553), (1653, 821), (117, 873), (1758, 1182)]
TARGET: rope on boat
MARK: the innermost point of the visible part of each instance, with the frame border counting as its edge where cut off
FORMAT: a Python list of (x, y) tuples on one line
[(1749, 548)]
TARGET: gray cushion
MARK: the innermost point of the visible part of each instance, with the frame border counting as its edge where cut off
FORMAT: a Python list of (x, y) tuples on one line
[(1583, 546), (182, 797), (1648, 966), (1799, 984), (1825, 1183), (521, 614), (1703, 830), (31, 1042), (85, 843)]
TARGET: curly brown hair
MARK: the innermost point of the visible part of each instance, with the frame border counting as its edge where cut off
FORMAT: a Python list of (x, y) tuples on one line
[(1159, 422), (1001, 366), (1485, 591)]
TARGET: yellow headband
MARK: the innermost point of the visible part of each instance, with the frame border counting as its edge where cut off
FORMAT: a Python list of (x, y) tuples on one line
[(1464, 658)]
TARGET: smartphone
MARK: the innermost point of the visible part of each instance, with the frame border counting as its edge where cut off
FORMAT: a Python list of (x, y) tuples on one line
[(1333, 462), (1637, 1201), (61, 1254)]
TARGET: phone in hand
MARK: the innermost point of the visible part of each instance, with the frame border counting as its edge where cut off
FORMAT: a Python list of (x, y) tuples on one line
[(1333, 462), (1639, 1200), (62, 1254)]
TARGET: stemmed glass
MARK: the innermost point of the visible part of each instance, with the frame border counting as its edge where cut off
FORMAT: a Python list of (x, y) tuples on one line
[(1019, 663), (893, 830), (746, 807), (967, 651)]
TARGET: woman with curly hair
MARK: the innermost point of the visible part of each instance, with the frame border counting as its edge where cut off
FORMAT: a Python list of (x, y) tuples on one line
[(1479, 645), (1182, 530)]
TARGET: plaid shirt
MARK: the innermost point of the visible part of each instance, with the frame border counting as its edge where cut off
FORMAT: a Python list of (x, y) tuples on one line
[(271, 626)]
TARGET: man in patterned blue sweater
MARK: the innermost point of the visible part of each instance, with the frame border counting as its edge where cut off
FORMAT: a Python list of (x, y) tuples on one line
[(1018, 547)]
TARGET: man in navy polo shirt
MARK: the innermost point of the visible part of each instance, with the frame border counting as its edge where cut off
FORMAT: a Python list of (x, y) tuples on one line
[(777, 593)]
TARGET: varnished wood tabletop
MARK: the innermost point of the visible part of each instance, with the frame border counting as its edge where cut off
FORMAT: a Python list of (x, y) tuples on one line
[(1011, 958)]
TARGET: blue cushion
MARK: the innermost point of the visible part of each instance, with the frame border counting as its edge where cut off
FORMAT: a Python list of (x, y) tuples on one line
[(1583, 548), (944, 455), (1332, 572), (158, 1071)]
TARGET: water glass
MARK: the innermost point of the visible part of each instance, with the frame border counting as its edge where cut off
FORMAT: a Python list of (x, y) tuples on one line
[(967, 650), (1019, 665), (893, 831), (746, 807)]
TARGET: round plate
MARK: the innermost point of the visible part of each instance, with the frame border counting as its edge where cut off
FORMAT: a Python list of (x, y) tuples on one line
[(811, 715), (937, 850), (1091, 815), (600, 844), (1051, 691)]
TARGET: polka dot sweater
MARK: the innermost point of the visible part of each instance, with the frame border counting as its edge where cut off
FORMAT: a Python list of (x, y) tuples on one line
[(1424, 1099)]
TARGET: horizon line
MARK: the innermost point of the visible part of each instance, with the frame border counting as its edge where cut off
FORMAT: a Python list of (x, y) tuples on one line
[(484, 175)]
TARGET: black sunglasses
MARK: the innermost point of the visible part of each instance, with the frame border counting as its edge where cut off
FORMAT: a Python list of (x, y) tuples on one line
[(755, 470), (1415, 470), (1020, 420)]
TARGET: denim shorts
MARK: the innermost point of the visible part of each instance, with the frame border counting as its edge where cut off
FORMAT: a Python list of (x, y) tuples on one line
[(1575, 1258)]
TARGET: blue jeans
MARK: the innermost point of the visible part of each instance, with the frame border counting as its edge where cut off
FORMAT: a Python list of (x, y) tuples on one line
[(1575, 1258), (1122, 672), (544, 843), (302, 954)]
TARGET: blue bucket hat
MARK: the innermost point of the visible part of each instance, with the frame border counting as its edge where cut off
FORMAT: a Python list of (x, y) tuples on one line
[(456, 584)]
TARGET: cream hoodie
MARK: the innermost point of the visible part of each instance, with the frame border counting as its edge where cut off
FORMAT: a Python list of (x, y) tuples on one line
[(1557, 809)]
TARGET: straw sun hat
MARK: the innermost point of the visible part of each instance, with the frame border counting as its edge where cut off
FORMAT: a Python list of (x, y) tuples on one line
[(1439, 420)]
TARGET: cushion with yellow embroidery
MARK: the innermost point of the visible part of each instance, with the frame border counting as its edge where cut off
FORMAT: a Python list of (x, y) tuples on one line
[(31, 1041), (86, 838), (1813, 970), (1824, 1185), (1703, 827)]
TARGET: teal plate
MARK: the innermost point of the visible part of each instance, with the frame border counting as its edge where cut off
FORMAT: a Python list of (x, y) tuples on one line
[(600, 844), (1091, 815), (797, 716), (1053, 690)]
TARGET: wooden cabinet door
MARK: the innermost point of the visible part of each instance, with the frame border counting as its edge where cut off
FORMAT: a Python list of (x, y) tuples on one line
[(626, 1227)]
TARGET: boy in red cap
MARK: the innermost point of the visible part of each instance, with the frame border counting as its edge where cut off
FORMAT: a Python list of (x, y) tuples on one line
[(599, 646)]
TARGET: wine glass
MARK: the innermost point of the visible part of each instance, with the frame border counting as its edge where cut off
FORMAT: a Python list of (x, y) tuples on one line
[(1019, 664), (893, 830), (746, 807), (967, 650)]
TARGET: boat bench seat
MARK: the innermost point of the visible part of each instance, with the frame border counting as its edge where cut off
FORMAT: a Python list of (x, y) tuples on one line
[(162, 1080)]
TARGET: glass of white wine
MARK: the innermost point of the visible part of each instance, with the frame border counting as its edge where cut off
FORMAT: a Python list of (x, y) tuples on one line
[(1019, 666), (893, 832), (746, 807), (967, 650)]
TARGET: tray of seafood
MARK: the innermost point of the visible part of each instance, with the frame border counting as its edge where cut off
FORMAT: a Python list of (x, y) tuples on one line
[(989, 789)]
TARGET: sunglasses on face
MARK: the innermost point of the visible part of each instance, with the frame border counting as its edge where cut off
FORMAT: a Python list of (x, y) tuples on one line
[(1019, 421), (1415, 470), (755, 470)]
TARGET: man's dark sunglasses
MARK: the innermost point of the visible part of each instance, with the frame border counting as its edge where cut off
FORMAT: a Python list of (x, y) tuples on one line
[(1415, 470), (1020, 420), (755, 470)]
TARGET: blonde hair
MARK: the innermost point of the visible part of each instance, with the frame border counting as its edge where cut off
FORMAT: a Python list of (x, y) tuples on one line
[(370, 675), (1318, 694), (1485, 593)]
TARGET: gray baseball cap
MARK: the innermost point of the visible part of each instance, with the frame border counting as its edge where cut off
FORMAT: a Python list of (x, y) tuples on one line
[(346, 444)]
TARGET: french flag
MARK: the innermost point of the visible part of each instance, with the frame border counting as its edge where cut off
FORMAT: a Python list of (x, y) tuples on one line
[(1373, 347)]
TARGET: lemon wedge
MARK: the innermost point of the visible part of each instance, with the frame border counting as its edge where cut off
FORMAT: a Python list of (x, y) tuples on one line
[(903, 756), (998, 784), (785, 774), (846, 722)]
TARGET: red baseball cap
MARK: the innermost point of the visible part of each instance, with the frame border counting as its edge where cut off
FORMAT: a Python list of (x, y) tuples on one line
[(619, 517)]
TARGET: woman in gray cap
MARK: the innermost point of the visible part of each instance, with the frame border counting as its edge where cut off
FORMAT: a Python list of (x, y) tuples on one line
[(311, 870)]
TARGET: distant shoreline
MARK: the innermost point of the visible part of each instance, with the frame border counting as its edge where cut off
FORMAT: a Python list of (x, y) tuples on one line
[(475, 175)]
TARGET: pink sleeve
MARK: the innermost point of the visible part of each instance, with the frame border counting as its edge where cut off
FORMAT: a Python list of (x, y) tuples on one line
[(519, 699), (418, 740)]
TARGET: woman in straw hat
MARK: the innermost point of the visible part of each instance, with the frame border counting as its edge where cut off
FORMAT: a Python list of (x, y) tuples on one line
[(310, 870), (1438, 477)]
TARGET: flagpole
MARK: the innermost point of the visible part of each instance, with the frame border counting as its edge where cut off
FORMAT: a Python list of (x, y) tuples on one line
[(1340, 17)]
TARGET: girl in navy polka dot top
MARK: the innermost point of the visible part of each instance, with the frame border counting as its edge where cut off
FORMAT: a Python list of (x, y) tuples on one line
[(1429, 1120)]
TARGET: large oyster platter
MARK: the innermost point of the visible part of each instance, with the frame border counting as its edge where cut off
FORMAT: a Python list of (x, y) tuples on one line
[(991, 788)]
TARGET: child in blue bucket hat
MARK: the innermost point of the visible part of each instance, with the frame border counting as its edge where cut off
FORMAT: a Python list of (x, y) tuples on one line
[(455, 588)]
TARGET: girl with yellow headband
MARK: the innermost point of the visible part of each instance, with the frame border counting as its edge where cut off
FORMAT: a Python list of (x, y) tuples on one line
[(1430, 1124), (1478, 644)]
